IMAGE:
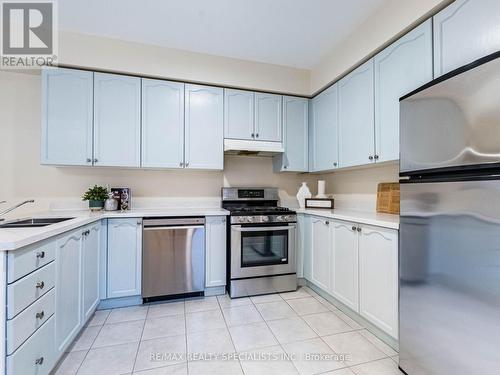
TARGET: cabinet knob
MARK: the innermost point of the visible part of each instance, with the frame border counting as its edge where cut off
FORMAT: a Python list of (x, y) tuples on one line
[(89, 160), (40, 285), (40, 254), (187, 164), (285, 167), (359, 229), (40, 315), (257, 135), (253, 135), (354, 228), (95, 160), (376, 157), (139, 223), (370, 157), (327, 222), (39, 361), (181, 164), (334, 163)]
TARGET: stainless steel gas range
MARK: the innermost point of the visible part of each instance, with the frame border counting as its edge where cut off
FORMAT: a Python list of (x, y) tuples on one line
[(261, 242)]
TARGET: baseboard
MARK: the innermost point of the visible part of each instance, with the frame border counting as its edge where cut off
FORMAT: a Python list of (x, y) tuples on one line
[(215, 291), (113, 303)]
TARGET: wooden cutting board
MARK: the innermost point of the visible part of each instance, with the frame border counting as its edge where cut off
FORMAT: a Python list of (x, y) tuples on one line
[(388, 198)]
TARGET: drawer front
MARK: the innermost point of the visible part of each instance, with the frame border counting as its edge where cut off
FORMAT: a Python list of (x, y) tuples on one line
[(24, 292), (37, 355), (28, 321), (23, 261)]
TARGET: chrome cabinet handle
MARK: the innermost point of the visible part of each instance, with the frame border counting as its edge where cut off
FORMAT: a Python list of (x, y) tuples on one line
[(376, 157), (370, 157), (40, 315), (257, 135), (89, 160), (285, 167), (334, 163), (181, 164), (95, 160), (39, 361), (327, 222), (359, 229), (253, 135), (187, 164), (40, 254), (40, 285), (354, 228)]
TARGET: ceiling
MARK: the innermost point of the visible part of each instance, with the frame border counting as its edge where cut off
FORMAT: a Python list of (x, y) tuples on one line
[(295, 33)]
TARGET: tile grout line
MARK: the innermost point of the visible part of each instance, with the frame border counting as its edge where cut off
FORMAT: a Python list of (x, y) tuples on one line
[(140, 340), (186, 334)]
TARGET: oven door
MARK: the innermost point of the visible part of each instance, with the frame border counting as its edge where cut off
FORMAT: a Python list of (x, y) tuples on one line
[(262, 250)]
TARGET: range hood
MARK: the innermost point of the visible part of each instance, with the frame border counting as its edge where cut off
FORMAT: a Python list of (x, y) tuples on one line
[(252, 148)]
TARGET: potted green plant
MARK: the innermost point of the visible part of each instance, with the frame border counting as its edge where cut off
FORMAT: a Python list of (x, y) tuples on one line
[(96, 197)]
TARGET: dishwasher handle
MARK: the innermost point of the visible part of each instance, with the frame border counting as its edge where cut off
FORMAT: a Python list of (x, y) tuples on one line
[(173, 227), (173, 221)]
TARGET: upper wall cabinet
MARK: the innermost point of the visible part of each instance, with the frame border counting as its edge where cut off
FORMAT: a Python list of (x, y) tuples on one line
[(465, 31), (295, 136), (268, 117), (162, 124), (117, 120), (239, 114), (356, 117), (324, 130), (67, 117), (399, 69), (204, 127)]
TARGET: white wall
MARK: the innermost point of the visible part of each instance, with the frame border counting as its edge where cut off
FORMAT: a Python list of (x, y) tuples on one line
[(110, 54), (22, 176), (389, 22)]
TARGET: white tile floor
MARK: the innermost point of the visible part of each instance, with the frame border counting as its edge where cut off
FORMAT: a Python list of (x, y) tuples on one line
[(122, 341)]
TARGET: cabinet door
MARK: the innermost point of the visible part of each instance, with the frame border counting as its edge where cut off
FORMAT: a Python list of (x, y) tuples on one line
[(204, 127), (344, 264), (321, 253), (399, 69), (356, 117), (124, 257), (162, 124), (378, 275), (465, 31), (90, 269), (67, 117), (215, 237), (68, 287), (238, 114), (268, 117), (305, 235), (117, 120), (324, 130), (295, 138)]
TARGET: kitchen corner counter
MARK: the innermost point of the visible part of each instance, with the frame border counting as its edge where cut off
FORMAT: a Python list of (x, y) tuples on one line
[(15, 238), (361, 217)]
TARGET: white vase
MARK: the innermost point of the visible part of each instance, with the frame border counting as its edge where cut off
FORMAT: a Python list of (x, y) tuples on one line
[(302, 194)]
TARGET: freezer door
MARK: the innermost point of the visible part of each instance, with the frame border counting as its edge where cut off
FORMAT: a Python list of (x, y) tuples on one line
[(453, 123), (450, 278)]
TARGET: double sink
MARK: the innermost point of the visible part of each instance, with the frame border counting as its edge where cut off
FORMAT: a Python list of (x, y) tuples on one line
[(34, 222)]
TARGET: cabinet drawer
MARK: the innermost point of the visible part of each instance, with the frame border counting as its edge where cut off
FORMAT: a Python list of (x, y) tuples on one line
[(28, 321), (37, 355), (26, 260), (24, 292)]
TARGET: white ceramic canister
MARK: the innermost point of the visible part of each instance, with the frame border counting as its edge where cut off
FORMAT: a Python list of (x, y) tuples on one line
[(302, 194)]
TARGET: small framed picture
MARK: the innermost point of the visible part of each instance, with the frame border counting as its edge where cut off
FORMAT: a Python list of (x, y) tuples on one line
[(326, 203)]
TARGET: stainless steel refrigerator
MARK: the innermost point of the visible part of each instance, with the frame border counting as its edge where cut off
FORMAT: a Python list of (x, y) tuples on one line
[(449, 296)]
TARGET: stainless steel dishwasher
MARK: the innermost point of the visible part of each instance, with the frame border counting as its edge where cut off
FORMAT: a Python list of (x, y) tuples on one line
[(173, 257)]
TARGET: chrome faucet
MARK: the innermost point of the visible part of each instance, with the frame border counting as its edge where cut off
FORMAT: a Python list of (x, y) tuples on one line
[(14, 207)]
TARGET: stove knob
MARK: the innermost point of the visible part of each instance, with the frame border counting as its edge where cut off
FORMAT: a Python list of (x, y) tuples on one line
[(279, 218), (290, 218), (249, 219), (264, 219)]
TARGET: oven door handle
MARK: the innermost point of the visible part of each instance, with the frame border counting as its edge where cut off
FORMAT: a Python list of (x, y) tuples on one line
[(260, 229)]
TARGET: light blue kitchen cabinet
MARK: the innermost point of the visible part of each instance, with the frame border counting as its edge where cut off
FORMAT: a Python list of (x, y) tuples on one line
[(400, 68), (124, 257), (268, 126), (117, 120), (91, 251), (239, 114), (204, 127), (304, 252), (162, 124), (68, 311), (67, 111), (215, 246), (465, 31), (321, 252), (324, 130), (295, 136), (356, 117)]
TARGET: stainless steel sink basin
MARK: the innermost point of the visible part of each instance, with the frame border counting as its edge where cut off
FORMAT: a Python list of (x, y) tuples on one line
[(34, 222)]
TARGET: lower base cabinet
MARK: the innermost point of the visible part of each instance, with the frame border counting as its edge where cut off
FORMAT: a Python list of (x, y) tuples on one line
[(356, 264), (215, 247), (378, 270), (91, 269)]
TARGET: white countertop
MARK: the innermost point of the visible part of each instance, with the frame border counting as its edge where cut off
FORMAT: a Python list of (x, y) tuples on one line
[(361, 217), (15, 238)]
